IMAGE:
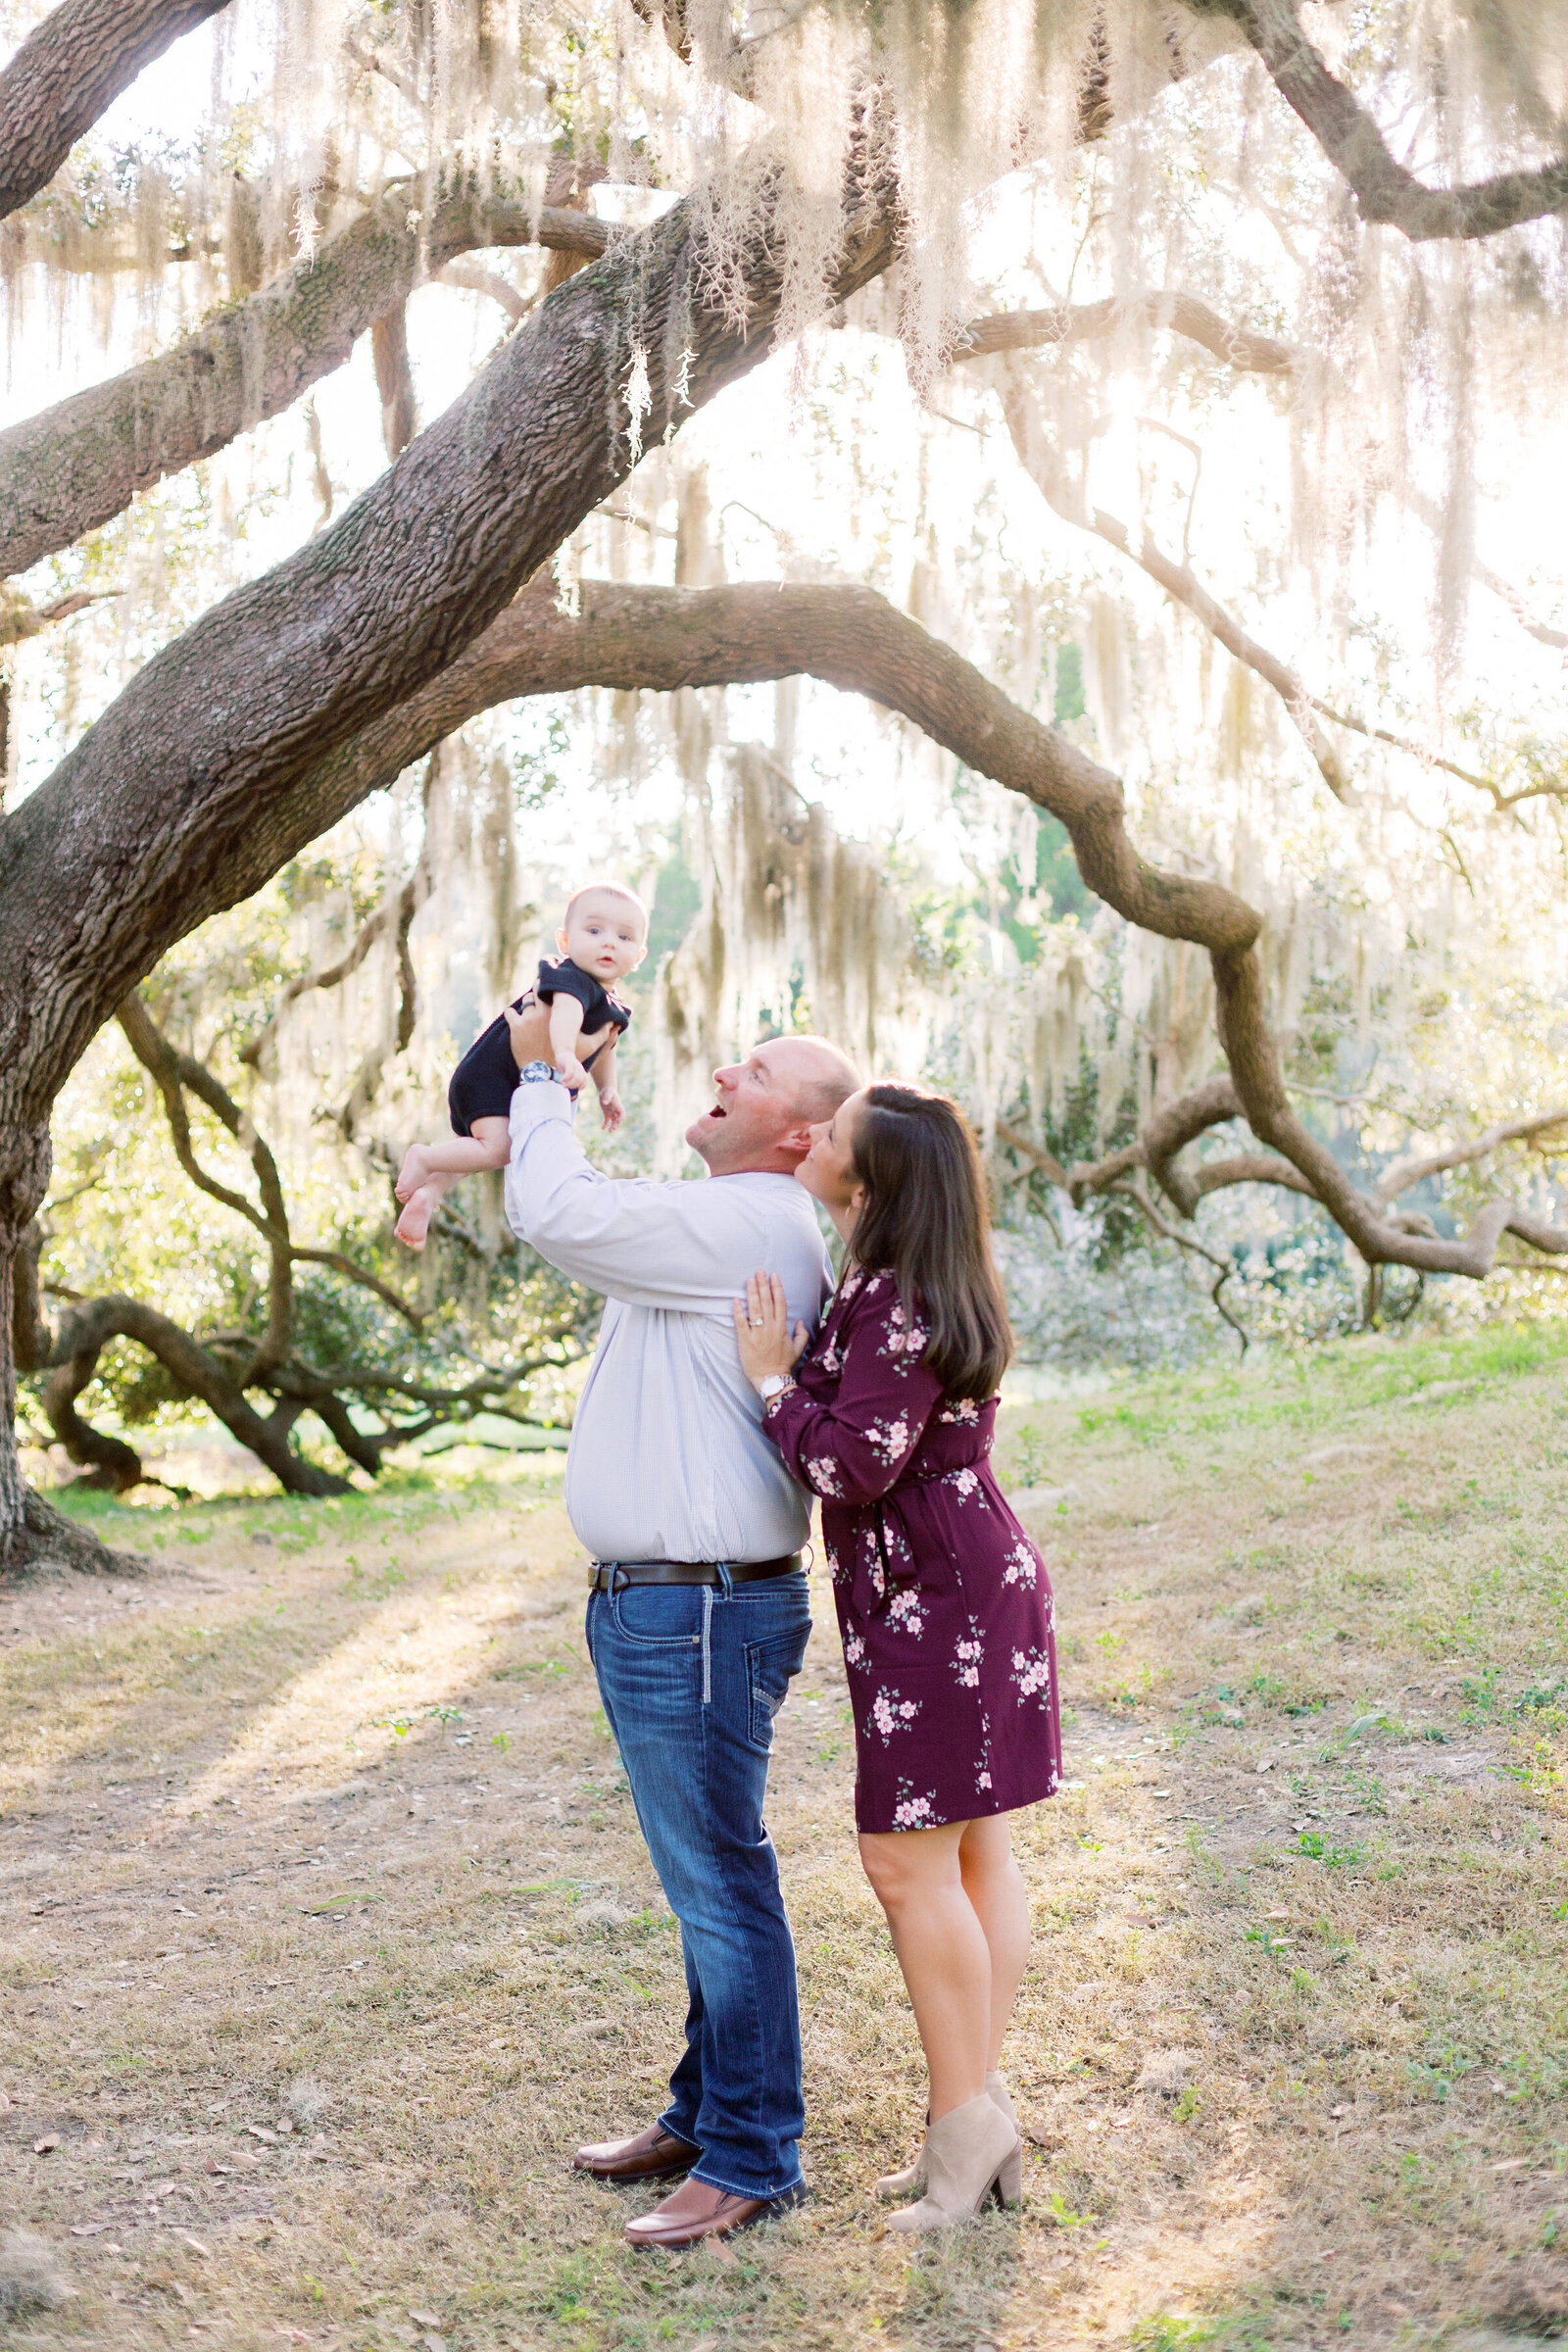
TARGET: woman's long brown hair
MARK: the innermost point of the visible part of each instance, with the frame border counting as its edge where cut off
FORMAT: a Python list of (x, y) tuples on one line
[(925, 1217)]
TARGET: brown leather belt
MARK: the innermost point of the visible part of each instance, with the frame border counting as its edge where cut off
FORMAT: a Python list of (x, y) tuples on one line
[(614, 1576)]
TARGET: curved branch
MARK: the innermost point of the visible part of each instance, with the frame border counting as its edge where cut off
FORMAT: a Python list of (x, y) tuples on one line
[(1040, 462), (21, 619), (1384, 190), (665, 638), (87, 1330), (1225, 1267), (1181, 314), (473, 280), (1405, 1172), (75, 466), (69, 70)]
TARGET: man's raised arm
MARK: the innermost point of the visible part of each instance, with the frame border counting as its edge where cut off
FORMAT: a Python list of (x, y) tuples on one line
[(645, 1244)]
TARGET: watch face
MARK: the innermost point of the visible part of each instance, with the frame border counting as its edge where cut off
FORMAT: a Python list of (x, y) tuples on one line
[(536, 1070)]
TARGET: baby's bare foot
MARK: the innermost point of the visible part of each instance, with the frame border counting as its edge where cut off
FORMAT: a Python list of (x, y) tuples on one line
[(415, 1223), (412, 1173)]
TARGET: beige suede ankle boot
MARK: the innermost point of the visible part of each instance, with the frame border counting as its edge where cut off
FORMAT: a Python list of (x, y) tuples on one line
[(969, 2151), (892, 2187)]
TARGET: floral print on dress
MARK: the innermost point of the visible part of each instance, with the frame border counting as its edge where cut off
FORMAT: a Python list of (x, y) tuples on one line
[(1031, 1671), (907, 1612), (1023, 1565), (889, 1713), (911, 1812), (944, 1604)]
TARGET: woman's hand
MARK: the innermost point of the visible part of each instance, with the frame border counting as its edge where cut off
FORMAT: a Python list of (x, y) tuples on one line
[(762, 1330)]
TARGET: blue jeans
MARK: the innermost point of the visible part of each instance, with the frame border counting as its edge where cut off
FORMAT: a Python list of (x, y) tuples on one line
[(692, 1677)]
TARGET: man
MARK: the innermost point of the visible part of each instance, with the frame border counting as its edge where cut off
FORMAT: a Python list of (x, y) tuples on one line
[(697, 1615)]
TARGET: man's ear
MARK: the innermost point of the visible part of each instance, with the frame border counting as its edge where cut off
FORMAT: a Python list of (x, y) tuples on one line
[(798, 1141)]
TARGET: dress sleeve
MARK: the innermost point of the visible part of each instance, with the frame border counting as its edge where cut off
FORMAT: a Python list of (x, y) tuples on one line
[(852, 1447)]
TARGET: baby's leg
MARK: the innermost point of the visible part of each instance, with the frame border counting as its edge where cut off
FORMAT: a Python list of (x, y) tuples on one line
[(431, 1170)]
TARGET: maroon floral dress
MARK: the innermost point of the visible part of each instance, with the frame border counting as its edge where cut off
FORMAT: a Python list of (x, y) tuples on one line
[(943, 1603)]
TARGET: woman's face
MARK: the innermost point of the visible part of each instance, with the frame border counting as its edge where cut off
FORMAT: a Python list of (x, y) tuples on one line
[(827, 1170)]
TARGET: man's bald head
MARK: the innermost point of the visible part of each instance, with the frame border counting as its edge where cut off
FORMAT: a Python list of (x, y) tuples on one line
[(818, 1074), (765, 1105)]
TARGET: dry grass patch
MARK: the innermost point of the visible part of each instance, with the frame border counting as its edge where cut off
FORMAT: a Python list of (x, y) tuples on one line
[(330, 1930)]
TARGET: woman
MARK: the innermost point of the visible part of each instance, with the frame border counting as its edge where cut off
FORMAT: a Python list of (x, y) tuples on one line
[(943, 1601)]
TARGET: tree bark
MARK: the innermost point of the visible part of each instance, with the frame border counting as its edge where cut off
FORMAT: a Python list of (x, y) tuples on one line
[(75, 466), (69, 70)]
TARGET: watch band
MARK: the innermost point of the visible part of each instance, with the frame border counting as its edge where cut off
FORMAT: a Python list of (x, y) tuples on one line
[(534, 1073)]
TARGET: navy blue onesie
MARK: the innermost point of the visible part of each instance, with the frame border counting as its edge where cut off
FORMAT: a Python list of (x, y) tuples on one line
[(483, 1081)]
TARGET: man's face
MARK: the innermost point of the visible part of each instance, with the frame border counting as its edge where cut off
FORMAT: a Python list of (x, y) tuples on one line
[(759, 1120)]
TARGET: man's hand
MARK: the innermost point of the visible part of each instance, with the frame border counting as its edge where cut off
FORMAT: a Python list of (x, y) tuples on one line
[(611, 1105), (521, 1052), (762, 1330)]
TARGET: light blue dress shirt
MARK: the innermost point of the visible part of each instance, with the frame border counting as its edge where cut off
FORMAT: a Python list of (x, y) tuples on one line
[(668, 1458)]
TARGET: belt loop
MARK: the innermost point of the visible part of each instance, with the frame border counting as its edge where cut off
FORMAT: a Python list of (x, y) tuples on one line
[(618, 1579), (707, 1654), (725, 1581)]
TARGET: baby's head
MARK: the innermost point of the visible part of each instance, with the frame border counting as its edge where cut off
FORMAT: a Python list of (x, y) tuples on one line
[(605, 931)]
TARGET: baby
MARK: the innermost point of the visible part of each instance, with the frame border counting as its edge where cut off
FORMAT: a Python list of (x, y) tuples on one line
[(571, 1016)]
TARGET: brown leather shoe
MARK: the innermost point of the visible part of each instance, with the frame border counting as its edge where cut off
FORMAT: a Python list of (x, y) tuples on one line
[(696, 2211), (653, 2155)]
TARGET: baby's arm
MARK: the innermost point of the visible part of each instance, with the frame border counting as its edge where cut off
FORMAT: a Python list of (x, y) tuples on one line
[(566, 1028), (603, 1073)]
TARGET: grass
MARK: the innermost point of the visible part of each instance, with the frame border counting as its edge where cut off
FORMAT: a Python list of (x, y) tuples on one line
[(329, 1930)]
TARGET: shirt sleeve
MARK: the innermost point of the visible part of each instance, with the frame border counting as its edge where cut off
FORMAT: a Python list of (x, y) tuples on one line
[(852, 1448), (676, 1245), (565, 979)]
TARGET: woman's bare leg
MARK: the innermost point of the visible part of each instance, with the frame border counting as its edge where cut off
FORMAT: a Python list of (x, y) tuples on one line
[(994, 1883), (942, 1948)]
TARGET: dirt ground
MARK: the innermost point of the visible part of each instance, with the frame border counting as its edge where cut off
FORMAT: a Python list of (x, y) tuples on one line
[(328, 1932)]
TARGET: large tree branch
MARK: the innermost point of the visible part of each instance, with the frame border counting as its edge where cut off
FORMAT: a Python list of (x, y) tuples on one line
[(666, 638), (74, 466), (1384, 190), (69, 70)]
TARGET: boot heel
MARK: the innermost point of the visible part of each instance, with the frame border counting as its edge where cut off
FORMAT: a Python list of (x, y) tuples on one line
[(1009, 2181)]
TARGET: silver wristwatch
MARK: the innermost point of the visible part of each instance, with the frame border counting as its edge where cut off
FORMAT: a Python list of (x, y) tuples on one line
[(774, 1384), (532, 1072)]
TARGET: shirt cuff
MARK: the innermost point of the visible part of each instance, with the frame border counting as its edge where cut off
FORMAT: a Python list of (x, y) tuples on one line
[(534, 1104)]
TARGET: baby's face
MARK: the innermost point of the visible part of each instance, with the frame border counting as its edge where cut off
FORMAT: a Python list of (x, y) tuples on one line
[(604, 934)]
